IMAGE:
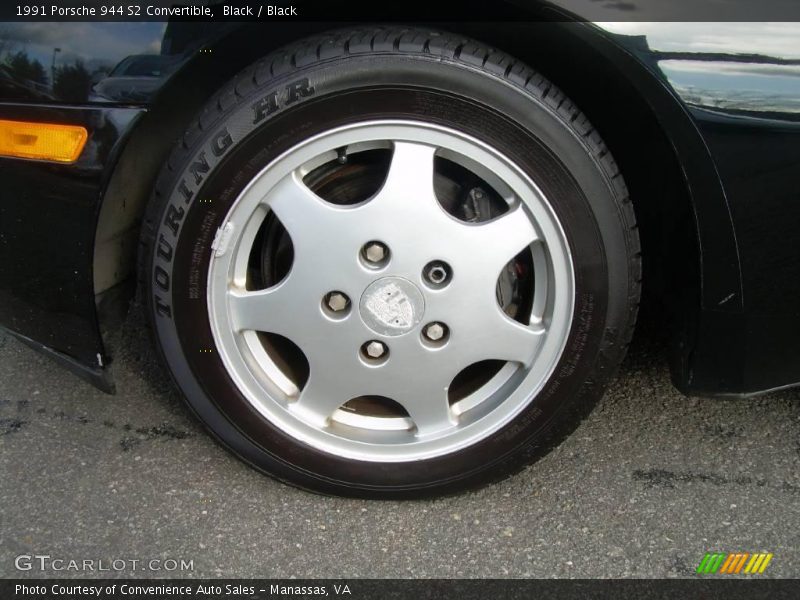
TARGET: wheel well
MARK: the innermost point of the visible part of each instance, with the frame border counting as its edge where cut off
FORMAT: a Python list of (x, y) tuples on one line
[(565, 53)]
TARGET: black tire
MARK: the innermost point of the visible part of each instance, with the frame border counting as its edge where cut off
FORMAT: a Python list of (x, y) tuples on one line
[(346, 76)]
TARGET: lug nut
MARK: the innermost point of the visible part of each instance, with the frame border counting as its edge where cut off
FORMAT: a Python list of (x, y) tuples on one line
[(337, 301), (437, 273), (375, 252), (375, 349), (435, 331)]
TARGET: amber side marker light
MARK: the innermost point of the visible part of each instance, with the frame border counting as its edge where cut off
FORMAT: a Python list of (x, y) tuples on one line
[(42, 141)]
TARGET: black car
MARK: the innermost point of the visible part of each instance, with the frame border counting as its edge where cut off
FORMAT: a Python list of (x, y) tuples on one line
[(402, 260)]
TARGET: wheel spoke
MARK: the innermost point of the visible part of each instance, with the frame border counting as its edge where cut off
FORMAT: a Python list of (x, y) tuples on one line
[(410, 177), (503, 238), (501, 338), (426, 401), (272, 310), (319, 398), (304, 214)]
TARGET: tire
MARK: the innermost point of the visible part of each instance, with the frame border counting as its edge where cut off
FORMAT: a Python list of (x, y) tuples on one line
[(394, 82)]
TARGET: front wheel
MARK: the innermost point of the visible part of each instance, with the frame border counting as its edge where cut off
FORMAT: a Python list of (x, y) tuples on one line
[(390, 263)]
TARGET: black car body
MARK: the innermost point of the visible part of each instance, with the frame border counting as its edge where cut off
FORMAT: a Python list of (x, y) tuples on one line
[(704, 120)]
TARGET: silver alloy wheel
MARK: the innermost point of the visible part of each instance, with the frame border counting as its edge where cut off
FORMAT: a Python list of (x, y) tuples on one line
[(416, 373)]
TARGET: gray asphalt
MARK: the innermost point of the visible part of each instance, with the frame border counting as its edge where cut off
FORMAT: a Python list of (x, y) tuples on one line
[(648, 484)]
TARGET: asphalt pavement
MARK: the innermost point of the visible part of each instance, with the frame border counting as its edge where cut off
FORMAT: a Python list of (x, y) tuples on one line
[(648, 484)]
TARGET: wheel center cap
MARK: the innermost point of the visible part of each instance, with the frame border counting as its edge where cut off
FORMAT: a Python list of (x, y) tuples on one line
[(392, 306)]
